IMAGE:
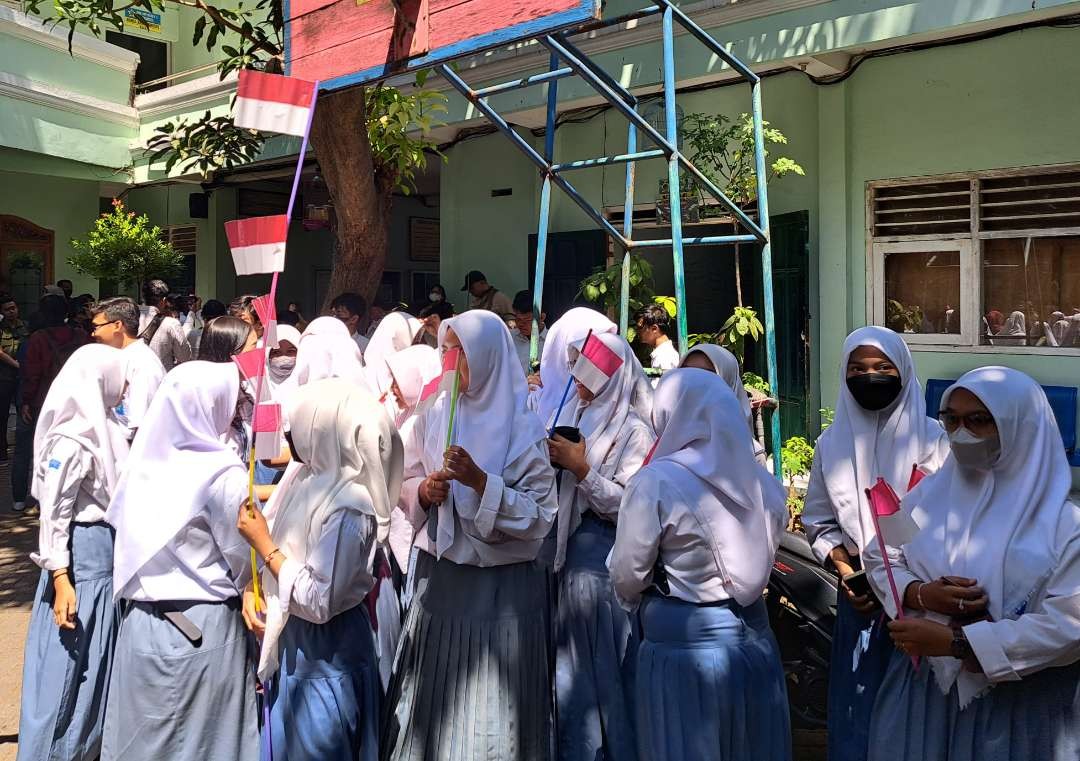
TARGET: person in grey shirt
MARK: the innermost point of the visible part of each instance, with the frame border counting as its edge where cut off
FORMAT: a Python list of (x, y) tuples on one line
[(159, 328)]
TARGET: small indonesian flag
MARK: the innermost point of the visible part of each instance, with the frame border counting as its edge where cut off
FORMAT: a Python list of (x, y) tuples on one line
[(258, 243), (267, 429), (894, 526), (273, 103), (596, 364), (917, 475), (443, 382), (252, 363), (267, 312)]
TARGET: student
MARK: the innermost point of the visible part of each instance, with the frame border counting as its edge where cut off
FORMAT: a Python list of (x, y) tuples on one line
[(472, 673), (181, 687), (324, 352), (547, 388), (991, 589), (115, 322), (396, 331), (522, 332), (880, 431), (701, 522), (243, 308), (653, 330), (350, 308), (595, 646), (161, 330), (717, 359), (79, 448), (432, 316), (324, 520), (282, 364)]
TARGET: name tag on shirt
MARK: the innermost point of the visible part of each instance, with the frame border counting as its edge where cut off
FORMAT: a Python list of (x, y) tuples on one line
[(54, 465)]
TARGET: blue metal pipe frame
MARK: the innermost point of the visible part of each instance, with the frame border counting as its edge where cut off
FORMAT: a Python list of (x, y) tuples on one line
[(626, 103)]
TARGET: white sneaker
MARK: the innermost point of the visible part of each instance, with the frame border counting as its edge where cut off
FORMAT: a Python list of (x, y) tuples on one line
[(19, 507)]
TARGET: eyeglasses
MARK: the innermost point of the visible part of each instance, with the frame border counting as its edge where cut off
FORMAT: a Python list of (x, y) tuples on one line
[(99, 325), (976, 422)]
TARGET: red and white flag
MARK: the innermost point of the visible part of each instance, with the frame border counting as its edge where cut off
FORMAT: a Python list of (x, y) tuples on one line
[(266, 426), (894, 525), (252, 363), (273, 103), (596, 364), (258, 243), (443, 382), (267, 311)]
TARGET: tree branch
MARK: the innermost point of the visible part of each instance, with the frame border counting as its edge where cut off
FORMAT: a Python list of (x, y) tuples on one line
[(218, 18)]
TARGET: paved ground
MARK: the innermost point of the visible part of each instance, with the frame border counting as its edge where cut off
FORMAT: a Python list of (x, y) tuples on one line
[(18, 579)]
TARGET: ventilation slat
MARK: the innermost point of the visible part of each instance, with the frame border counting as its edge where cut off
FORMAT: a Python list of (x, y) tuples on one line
[(922, 208)]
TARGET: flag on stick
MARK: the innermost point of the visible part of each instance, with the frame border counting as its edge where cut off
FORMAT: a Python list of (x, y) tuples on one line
[(267, 311), (273, 103), (444, 381), (596, 364), (917, 475), (893, 527), (258, 243), (252, 363)]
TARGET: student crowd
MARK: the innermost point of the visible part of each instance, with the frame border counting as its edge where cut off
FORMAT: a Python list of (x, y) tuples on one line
[(511, 573)]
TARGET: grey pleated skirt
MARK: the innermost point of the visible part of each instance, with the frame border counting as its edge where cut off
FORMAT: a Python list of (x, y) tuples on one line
[(471, 678), (1037, 718), (172, 699), (66, 671), (595, 653)]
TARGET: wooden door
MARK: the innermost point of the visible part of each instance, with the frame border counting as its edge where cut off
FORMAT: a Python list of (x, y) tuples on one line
[(26, 261)]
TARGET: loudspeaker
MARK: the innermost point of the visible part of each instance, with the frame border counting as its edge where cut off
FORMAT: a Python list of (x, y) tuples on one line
[(198, 205)]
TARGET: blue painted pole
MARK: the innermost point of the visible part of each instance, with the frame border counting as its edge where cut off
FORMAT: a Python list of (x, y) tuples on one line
[(545, 216), (516, 84), (674, 190), (766, 272), (706, 240), (628, 227)]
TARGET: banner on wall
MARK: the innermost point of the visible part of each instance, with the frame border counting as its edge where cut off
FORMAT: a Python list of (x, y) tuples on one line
[(141, 20)]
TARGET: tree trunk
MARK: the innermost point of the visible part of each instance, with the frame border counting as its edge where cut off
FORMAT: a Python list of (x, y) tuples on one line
[(361, 201)]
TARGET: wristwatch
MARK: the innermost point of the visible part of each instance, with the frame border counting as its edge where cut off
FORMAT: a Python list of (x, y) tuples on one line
[(960, 648)]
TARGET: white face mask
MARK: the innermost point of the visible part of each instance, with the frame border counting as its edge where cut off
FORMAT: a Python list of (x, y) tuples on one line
[(282, 367), (435, 296), (972, 451)]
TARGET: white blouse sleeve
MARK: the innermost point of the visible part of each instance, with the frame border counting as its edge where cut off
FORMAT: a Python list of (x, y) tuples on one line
[(637, 541), (1049, 636), (603, 495), (818, 516), (520, 502), (65, 465), (335, 569), (412, 438), (227, 494)]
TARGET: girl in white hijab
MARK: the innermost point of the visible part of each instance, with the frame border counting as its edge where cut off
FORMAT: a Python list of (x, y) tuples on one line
[(181, 687), (282, 364), (698, 530), (594, 645), (79, 449), (395, 333), (324, 521), (881, 430), (473, 662), (991, 588), (572, 327), (324, 352), (717, 359)]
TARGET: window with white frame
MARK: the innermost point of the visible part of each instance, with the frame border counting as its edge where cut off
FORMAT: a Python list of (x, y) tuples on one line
[(980, 261)]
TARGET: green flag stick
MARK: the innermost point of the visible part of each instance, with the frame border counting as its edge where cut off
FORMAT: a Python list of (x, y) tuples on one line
[(453, 402)]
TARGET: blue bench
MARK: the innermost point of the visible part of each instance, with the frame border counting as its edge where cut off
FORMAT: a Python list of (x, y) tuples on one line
[(1062, 401)]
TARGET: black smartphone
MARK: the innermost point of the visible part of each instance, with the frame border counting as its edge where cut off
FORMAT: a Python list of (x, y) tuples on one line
[(858, 583)]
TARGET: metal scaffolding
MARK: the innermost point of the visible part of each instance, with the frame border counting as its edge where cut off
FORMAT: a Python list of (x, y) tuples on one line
[(568, 60)]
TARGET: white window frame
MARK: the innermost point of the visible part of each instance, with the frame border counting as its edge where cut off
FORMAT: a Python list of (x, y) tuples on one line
[(969, 245), (969, 287)]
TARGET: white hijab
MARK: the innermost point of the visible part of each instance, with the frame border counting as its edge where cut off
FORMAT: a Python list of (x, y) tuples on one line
[(861, 446), (996, 526), (727, 367), (1015, 325), (600, 422), (742, 509), (412, 368), (493, 423), (572, 327), (179, 452), (352, 460), (282, 385), (77, 407), (326, 350), (395, 333)]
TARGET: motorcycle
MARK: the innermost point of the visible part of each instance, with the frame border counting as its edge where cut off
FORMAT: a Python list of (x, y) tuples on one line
[(801, 601)]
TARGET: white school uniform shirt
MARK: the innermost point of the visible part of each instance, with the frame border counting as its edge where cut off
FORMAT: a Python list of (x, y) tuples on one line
[(144, 374), (702, 506), (79, 448), (665, 356), (1011, 528), (860, 446), (362, 342), (522, 344), (508, 522)]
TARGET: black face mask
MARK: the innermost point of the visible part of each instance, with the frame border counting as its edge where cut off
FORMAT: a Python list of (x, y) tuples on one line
[(874, 391), (292, 449)]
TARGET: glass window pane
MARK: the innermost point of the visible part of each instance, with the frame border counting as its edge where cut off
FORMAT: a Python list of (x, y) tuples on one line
[(922, 292), (1031, 292)]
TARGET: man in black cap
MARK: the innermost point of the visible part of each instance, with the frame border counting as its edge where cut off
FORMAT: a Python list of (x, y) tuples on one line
[(482, 295)]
